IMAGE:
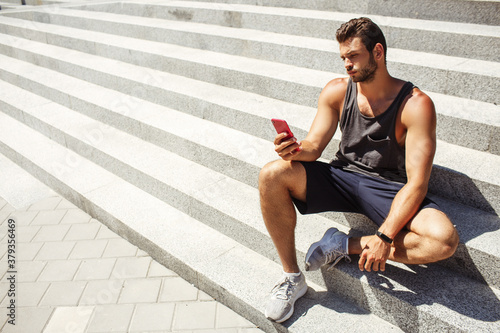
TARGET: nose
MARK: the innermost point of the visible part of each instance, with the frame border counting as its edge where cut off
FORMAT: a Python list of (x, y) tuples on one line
[(347, 63)]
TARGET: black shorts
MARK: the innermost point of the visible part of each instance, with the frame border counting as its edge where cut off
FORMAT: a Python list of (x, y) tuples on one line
[(331, 188)]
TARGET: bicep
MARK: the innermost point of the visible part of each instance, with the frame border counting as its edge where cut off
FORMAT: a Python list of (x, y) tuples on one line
[(327, 117), (323, 127)]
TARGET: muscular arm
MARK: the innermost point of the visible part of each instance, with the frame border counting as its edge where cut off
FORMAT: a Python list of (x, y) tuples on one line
[(322, 129), (419, 119)]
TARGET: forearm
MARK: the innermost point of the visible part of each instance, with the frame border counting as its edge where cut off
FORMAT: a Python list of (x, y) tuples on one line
[(309, 152), (404, 206)]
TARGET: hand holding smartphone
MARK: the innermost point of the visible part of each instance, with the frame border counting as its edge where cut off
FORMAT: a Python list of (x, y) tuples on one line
[(281, 126)]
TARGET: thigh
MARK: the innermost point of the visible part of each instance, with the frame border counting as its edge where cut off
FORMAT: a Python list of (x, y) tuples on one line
[(376, 197), (328, 188)]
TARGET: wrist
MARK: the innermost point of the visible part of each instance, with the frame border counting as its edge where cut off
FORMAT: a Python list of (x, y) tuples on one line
[(384, 237)]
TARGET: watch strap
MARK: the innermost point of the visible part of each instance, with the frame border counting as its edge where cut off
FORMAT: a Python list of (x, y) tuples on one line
[(384, 237)]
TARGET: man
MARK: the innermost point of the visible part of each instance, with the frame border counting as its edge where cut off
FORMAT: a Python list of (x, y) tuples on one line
[(382, 170)]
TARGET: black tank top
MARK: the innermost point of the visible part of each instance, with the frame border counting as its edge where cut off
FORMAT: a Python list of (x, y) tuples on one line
[(369, 144)]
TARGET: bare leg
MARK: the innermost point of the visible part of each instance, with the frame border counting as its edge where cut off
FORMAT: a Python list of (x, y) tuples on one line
[(428, 237), (279, 181)]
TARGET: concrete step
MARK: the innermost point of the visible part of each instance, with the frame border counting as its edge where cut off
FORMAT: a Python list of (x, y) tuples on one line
[(421, 35), (133, 155), (438, 73), (230, 153), (56, 3), (226, 270), (13, 6), (5, 6), (18, 187), (470, 11), (11, 2), (474, 183)]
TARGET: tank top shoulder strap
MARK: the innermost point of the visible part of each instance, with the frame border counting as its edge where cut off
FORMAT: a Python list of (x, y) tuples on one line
[(350, 103), (393, 109), (405, 90)]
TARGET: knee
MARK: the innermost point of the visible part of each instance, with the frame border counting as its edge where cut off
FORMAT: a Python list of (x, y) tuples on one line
[(271, 173), (439, 235), (283, 177), (451, 244), (447, 241)]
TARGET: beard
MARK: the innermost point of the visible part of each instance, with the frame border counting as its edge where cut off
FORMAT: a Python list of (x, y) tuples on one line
[(367, 73)]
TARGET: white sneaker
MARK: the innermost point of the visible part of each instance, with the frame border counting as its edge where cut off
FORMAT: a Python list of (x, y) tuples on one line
[(329, 249), (283, 297)]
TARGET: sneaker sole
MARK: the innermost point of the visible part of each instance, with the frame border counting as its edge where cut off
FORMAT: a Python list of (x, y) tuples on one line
[(301, 293), (313, 247)]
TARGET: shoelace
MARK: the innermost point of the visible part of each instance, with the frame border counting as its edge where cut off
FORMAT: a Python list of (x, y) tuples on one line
[(283, 289), (335, 252)]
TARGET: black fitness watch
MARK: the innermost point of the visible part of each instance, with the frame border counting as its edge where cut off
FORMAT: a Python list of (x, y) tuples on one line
[(384, 237)]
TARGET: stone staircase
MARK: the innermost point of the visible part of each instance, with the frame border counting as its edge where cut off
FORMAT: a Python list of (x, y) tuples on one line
[(166, 105)]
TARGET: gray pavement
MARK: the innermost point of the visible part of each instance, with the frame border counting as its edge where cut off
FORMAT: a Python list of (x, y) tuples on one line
[(73, 274)]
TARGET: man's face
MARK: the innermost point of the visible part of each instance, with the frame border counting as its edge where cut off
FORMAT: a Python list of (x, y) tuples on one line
[(358, 62)]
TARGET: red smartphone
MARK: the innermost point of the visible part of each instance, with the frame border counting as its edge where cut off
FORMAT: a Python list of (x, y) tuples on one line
[(282, 127)]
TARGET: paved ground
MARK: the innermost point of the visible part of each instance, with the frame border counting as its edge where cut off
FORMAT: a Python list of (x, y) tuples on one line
[(73, 275)]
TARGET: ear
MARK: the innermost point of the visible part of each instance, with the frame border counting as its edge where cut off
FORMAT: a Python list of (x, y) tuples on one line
[(378, 51)]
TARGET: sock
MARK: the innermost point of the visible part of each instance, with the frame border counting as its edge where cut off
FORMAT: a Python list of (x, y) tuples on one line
[(346, 245), (291, 274)]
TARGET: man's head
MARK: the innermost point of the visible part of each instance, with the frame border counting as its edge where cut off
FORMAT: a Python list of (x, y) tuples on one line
[(365, 29)]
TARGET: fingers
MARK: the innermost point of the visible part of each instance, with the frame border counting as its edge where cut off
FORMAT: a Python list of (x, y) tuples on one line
[(278, 139), (286, 147), (362, 260), (382, 266), (368, 262)]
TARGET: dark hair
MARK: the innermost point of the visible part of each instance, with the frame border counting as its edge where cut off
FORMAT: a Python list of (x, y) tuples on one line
[(364, 28)]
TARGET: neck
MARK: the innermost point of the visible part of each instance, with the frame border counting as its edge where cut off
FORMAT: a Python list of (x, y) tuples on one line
[(381, 87)]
